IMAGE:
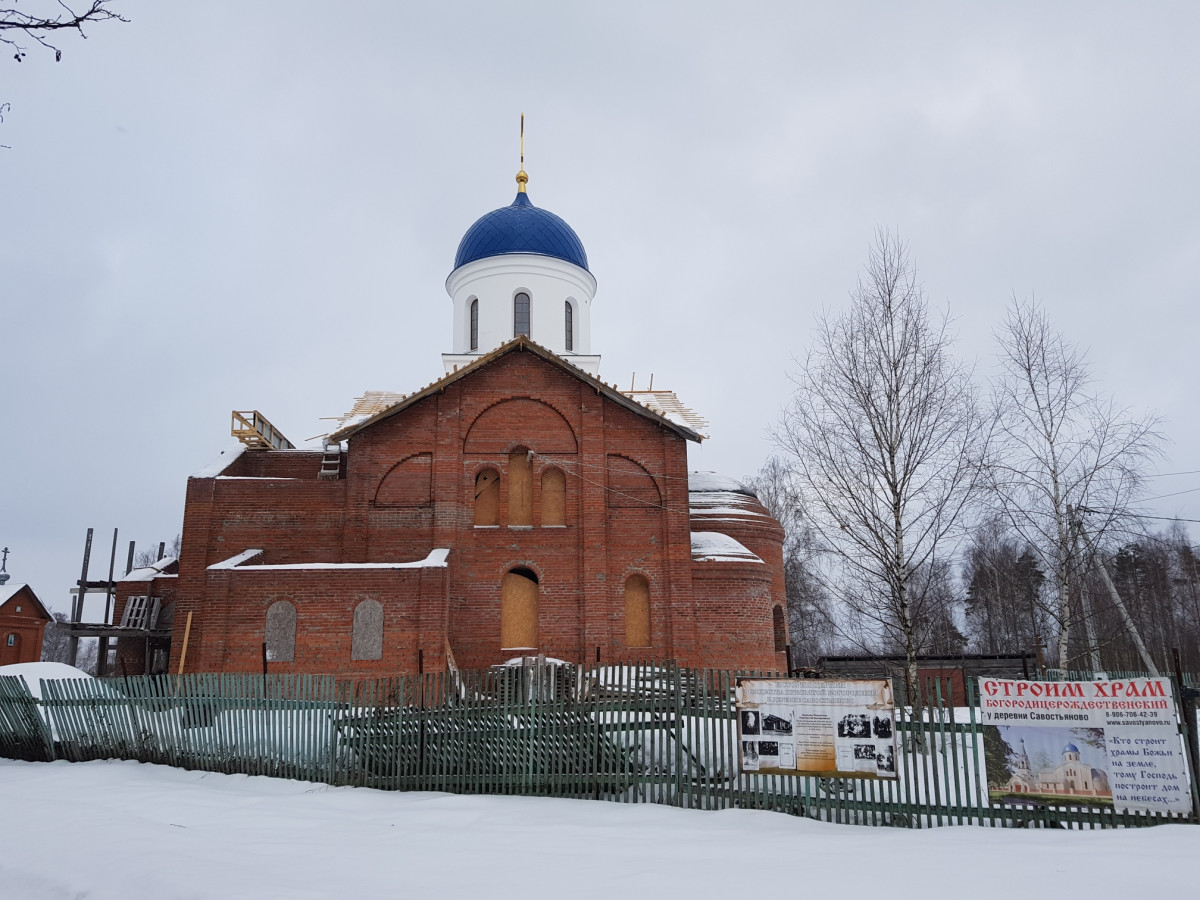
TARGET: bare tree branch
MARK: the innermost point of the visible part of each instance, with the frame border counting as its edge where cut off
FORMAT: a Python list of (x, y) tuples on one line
[(35, 27)]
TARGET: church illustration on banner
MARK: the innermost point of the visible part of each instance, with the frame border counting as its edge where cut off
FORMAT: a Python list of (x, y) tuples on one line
[(1073, 777)]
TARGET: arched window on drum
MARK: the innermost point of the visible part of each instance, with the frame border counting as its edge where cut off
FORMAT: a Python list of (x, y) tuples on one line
[(521, 315)]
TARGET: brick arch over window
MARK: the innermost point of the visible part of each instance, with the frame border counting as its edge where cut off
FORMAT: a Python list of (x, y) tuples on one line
[(538, 424), (280, 632), (519, 595), (554, 497), (408, 483), (487, 497), (367, 638), (630, 485), (637, 611)]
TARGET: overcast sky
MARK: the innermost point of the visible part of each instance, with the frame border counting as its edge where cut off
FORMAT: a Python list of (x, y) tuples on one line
[(242, 205)]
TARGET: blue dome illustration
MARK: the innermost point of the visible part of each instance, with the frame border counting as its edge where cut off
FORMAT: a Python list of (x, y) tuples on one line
[(1070, 748), (520, 228)]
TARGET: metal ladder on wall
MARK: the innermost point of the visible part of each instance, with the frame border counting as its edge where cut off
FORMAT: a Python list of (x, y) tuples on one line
[(331, 462)]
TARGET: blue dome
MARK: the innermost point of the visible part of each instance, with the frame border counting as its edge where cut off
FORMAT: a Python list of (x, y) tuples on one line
[(520, 228), (1070, 748)]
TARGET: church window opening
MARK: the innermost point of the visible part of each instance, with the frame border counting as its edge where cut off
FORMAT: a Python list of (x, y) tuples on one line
[(570, 322), (487, 497), (367, 638), (475, 324), (520, 488), (12, 640), (280, 636), (554, 497), (780, 627), (519, 610), (637, 611), (521, 315)]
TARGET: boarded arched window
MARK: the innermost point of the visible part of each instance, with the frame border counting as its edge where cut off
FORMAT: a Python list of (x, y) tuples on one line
[(780, 626), (637, 611), (475, 324), (570, 323), (487, 497), (521, 315), (367, 639), (520, 488), (280, 635), (519, 610), (554, 497)]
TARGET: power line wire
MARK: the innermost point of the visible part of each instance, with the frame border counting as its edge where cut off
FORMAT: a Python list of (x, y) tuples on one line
[(1176, 494)]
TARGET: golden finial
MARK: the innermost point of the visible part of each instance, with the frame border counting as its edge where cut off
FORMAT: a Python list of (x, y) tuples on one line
[(522, 178)]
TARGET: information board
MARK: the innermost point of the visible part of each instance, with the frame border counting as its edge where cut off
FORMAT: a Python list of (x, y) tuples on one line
[(825, 727)]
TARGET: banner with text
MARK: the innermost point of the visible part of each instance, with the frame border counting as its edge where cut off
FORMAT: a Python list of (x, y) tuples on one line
[(1089, 742), (817, 727)]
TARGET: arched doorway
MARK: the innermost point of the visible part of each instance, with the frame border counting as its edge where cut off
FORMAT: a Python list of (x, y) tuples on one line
[(637, 611), (519, 610)]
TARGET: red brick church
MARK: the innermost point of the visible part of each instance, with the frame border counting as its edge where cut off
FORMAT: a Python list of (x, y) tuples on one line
[(518, 505)]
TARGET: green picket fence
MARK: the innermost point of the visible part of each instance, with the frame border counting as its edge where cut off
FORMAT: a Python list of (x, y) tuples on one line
[(646, 733)]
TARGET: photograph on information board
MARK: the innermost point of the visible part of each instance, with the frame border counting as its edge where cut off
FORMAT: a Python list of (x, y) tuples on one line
[(1084, 743), (817, 727)]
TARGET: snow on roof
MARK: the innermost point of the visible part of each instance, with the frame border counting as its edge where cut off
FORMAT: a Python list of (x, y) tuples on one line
[(435, 560), (711, 481), (712, 546), (222, 462), (259, 477), (152, 571), (235, 561), (8, 590), (724, 503)]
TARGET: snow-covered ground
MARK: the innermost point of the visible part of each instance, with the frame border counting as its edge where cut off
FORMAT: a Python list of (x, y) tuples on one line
[(140, 832)]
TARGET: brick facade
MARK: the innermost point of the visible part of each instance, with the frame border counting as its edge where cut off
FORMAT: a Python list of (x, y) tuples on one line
[(23, 621), (331, 547)]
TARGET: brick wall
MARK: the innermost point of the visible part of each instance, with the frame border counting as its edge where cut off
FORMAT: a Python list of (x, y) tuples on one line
[(409, 487), (21, 616)]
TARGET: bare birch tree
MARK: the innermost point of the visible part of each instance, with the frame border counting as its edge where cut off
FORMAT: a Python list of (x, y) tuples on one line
[(886, 434), (1061, 448)]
